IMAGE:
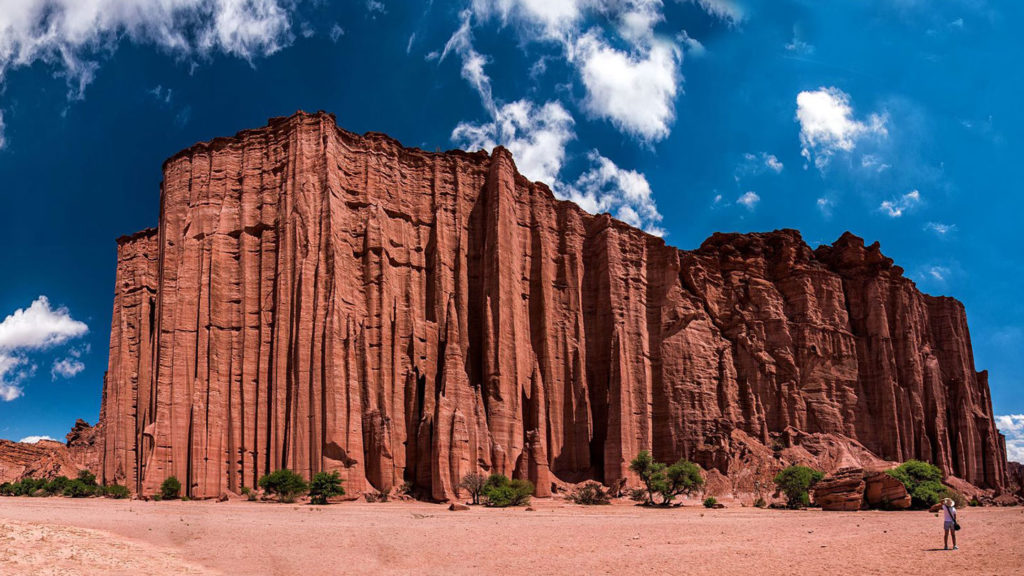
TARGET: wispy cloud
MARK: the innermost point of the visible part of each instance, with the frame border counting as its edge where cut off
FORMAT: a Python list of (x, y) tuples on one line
[(897, 207), (939, 229)]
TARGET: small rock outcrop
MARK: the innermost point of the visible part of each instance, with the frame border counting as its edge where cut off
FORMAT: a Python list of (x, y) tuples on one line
[(320, 300), (843, 490), (850, 489)]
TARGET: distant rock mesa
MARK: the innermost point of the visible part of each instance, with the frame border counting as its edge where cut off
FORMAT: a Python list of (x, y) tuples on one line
[(319, 300)]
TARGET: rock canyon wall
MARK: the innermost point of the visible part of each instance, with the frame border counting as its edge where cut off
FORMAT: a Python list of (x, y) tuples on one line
[(319, 300)]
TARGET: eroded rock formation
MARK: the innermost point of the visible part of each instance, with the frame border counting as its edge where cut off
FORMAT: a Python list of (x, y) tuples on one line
[(319, 300), (48, 459)]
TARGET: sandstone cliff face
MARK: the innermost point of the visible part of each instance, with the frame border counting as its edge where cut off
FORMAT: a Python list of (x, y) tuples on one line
[(319, 300), (48, 459)]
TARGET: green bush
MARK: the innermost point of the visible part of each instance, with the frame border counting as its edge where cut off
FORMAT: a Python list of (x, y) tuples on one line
[(6, 489), (710, 502), (323, 486), (590, 494), (116, 491), (923, 482), (57, 485), (667, 482), (473, 483), (170, 488), (502, 492), (795, 481), (287, 485), (959, 500), (249, 493)]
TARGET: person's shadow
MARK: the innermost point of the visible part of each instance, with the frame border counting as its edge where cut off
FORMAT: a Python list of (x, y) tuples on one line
[(937, 550)]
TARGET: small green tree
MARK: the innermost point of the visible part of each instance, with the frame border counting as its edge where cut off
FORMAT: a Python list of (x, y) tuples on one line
[(651, 474), (323, 486), (923, 482), (710, 502), (474, 483), (285, 483), (795, 482), (683, 477), (502, 492), (6, 489), (170, 488)]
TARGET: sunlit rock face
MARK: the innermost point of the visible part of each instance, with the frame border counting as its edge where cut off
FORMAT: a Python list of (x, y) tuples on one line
[(319, 300)]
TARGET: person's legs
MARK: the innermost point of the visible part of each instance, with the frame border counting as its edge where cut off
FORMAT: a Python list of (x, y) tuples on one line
[(945, 538), (953, 532)]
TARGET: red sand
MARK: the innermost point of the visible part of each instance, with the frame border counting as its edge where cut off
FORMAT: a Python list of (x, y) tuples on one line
[(84, 537)]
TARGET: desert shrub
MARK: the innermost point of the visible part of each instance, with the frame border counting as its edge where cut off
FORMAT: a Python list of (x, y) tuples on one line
[(170, 488), (57, 485), (249, 494), (79, 489), (502, 492), (923, 482), (6, 489), (473, 483), (710, 502), (959, 500), (795, 481), (407, 488), (27, 486), (87, 478), (116, 491), (375, 497), (667, 482), (760, 503), (323, 486), (157, 497), (974, 502), (287, 485), (590, 494)]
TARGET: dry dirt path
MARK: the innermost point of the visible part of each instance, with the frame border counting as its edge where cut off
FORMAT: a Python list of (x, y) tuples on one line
[(84, 537)]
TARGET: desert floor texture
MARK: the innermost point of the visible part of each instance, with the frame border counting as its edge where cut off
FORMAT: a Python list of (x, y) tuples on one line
[(60, 536)]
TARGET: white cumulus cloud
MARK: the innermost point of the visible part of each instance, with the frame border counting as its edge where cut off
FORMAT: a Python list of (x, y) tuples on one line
[(38, 327), (35, 439), (626, 194), (898, 206), (1012, 426), (536, 136), (635, 91), (749, 199), (73, 36), (828, 125)]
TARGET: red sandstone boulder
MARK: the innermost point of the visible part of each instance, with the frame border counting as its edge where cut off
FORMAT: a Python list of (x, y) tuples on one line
[(884, 491), (843, 490)]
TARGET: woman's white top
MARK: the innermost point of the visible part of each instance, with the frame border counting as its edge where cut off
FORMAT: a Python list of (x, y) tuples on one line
[(948, 513)]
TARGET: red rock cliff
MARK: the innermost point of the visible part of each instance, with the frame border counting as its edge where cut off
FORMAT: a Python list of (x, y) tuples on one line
[(319, 300)]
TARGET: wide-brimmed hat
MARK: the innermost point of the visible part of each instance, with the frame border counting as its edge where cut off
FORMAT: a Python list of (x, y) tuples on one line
[(947, 501)]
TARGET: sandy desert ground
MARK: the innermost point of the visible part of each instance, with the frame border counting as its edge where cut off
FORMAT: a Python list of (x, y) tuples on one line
[(61, 536)]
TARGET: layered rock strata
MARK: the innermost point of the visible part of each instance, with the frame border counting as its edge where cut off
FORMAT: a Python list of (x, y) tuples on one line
[(319, 300)]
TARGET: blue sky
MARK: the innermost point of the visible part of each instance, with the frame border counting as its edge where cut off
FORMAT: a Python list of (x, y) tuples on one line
[(896, 119)]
